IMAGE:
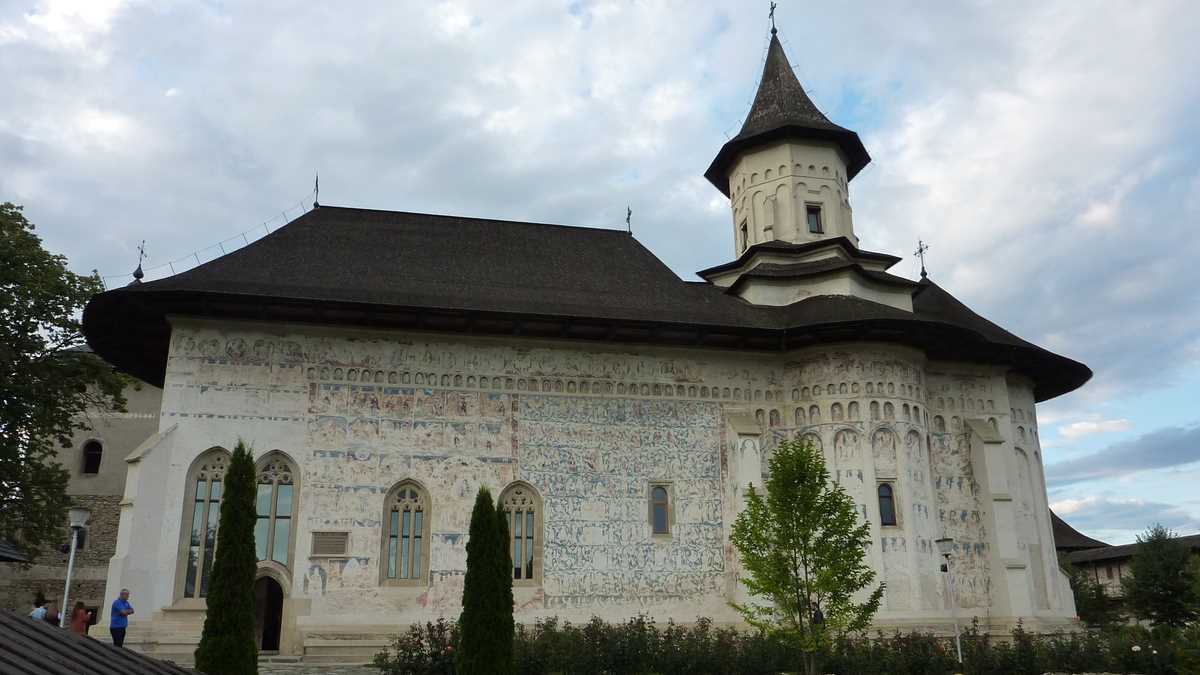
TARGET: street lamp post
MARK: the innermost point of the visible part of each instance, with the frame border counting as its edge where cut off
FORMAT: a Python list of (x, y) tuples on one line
[(78, 517), (946, 547)]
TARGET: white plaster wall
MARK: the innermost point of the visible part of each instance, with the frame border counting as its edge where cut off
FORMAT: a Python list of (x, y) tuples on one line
[(769, 187), (589, 426), (779, 292)]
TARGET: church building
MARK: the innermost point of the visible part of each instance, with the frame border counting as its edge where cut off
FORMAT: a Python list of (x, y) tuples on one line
[(384, 365)]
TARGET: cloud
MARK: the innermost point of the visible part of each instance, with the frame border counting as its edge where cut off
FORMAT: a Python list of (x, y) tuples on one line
[(1122, 516), (1047, 170), (1163, 448), (1076, 430)]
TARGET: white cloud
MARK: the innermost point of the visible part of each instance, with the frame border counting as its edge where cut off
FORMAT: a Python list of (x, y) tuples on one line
[(1077, 430)]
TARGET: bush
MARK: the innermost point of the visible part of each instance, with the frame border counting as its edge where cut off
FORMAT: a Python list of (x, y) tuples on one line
[(423, 650), (640, 647)]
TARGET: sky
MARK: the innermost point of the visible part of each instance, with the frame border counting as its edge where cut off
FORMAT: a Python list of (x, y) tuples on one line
[(1048, 153)]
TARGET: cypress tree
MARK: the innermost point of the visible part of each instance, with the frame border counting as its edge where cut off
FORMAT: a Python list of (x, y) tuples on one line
[(504, 625), (227, 644), (485, 647)]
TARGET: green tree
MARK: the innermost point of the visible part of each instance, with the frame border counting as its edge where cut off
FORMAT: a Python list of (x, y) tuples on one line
[(1162, 583), (804, 552), (505, 625), (48, 385), (1093, 605), (227, 643), (486, 623)]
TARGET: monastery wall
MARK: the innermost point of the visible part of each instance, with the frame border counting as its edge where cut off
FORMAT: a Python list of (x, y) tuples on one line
[(590, 427)]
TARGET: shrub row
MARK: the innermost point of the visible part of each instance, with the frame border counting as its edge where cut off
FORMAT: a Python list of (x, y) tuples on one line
[(640, 647)]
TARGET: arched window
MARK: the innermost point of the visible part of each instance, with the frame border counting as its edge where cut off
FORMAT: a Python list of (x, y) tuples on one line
[(774, 418), (887, 505), (202, 507), (522, 510), (93, 451), (275, 508), (405, 534), (660, 509)]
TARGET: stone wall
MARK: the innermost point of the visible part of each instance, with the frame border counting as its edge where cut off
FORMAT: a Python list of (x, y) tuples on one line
[(19, 585)]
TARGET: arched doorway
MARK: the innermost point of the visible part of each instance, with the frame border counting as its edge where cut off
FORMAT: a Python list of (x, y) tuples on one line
[(268, 613)]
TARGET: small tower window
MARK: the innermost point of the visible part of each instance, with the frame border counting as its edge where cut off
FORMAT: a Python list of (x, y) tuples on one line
[(744, 233), (813, 213), (887, 505), (92, 453)]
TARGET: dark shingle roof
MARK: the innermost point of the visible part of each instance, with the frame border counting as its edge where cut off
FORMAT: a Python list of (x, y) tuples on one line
[(412, 271), (782, 109), (1192, 541), (1068, 539), (31, 647)]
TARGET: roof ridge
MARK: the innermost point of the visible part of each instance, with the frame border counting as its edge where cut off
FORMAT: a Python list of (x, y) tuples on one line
[(474, 218)]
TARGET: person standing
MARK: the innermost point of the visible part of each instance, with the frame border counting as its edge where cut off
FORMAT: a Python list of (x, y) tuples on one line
[(119, 619), (80, 617), (39, 610)]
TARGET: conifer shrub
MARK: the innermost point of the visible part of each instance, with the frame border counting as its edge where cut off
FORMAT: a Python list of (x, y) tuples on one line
[(486, 623), (227, 643)]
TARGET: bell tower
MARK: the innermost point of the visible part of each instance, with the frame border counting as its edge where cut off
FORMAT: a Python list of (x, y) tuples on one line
[(787, 176), (787, 172)]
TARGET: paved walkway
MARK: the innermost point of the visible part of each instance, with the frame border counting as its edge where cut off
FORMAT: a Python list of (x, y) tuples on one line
[(313, 669)]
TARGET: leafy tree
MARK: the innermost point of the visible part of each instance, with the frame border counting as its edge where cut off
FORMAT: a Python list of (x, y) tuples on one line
[(804, 553), (227, 644), (1093, 605), (486, 623), (47, 384), (1162, 584)]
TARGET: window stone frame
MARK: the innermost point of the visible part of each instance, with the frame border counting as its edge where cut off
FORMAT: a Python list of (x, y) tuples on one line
[(198, 465), (426, 501), (539, 520)]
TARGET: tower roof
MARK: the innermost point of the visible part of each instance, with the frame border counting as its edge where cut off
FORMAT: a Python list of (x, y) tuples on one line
[(782, 109)]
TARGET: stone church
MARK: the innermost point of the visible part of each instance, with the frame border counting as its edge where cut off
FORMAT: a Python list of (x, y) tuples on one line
[(617, 410)]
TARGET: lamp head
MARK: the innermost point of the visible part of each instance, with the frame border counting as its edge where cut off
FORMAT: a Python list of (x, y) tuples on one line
[(79, 516), (945, 545)]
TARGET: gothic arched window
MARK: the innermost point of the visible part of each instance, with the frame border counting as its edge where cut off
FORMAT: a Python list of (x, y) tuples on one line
[(523, 512), (405, 534), (202, 507), (275, 507), (887, 504)]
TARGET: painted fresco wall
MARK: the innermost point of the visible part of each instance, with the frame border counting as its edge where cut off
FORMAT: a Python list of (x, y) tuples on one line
[(590, 430)]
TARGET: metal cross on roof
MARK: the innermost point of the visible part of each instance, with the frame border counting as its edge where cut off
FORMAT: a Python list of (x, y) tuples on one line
[(137, 273), (771, 14), (922, 247)]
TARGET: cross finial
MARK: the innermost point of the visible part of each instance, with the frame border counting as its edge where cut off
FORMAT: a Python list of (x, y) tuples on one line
[(771, 14), (316, 190), (628, 217), (137, 273), (922, 247)]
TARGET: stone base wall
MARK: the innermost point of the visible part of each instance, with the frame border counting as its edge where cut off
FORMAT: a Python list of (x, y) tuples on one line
[(20, 584)]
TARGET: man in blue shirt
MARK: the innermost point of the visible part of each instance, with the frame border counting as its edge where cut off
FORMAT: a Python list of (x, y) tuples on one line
[(119, 620)]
